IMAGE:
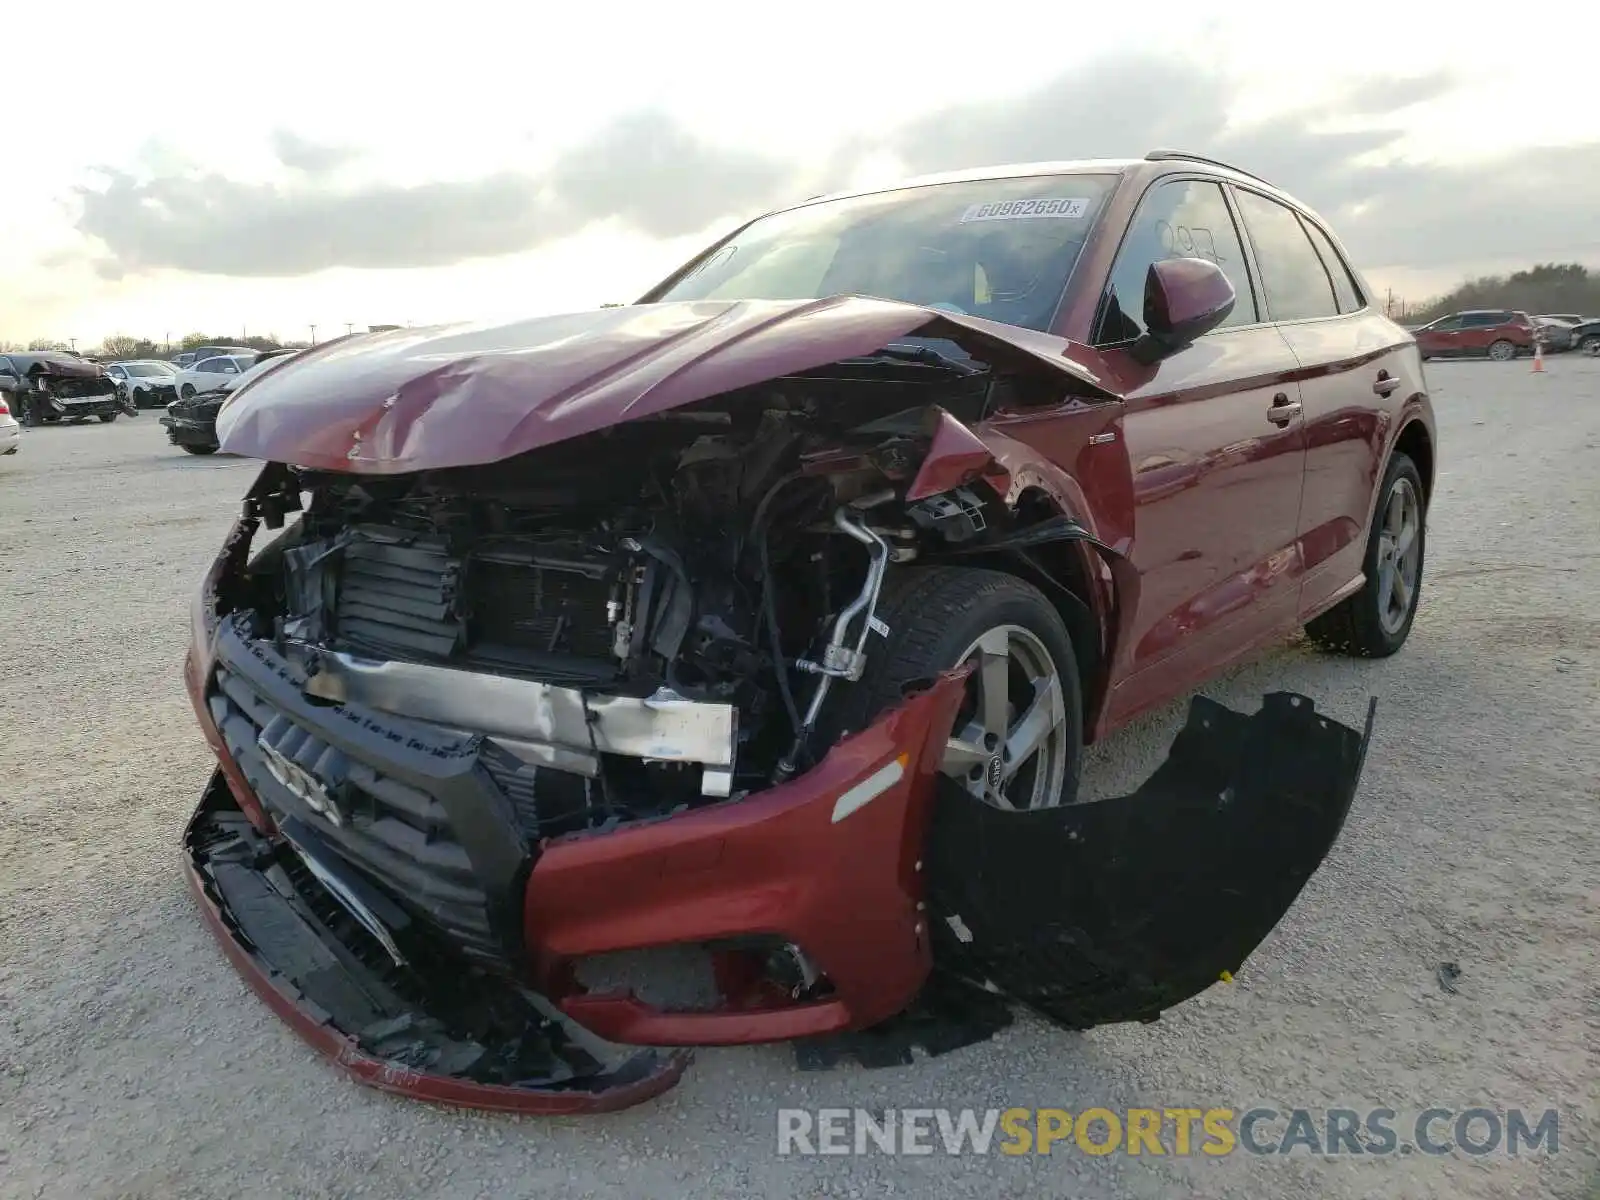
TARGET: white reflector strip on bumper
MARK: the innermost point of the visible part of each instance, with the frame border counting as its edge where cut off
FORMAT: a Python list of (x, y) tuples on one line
[(869, 789)]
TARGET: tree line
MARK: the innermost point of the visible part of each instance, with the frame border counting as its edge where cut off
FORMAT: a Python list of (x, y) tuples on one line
[(121, 345), (1545, 288)]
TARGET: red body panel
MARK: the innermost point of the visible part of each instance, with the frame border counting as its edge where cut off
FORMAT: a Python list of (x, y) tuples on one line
[(846, 891)]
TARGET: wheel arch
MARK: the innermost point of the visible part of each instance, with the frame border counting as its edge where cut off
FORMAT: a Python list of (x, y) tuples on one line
[(1077, 582), (1416, 443)]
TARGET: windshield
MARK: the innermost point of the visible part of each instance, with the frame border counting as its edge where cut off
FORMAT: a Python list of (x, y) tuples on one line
[(1000, 248), (146, 370)]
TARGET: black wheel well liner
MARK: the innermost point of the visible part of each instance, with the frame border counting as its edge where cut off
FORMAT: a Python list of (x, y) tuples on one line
[(1416, 445)]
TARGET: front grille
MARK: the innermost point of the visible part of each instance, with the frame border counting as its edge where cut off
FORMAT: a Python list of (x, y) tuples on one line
[(398, 836)]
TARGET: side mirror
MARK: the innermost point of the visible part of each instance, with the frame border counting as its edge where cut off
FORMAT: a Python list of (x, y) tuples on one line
[(1184, 298), (8, 382)]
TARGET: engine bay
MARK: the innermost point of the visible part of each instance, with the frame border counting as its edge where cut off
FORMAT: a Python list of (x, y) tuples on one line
[(671, 601)]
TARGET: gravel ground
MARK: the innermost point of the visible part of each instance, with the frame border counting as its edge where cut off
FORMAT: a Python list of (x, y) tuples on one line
[(134, 1063)]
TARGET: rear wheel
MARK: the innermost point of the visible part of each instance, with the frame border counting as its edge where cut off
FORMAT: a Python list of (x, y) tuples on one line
[(186, 391), (1502, 351), (1375, 622), (1017, 741), (201, 449)]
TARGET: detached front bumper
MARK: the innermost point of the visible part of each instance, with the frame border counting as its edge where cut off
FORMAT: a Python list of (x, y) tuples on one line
[(388, 1026)]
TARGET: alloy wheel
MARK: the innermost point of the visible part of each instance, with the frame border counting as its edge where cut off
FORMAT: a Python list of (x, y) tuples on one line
[(1399, 555), (1010, 744)]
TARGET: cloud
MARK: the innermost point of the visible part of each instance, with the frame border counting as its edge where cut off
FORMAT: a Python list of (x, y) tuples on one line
[(314, 158), (649, 172)]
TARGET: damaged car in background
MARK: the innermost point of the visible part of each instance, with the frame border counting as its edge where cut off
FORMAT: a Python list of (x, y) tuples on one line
[(49, 386), (765, 620)]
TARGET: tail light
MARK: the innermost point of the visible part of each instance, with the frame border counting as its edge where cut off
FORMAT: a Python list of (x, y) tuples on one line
[(5, 409)]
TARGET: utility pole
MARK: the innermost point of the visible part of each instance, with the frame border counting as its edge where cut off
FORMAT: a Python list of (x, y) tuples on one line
[(73, 342), (348, 327), (313, 335)]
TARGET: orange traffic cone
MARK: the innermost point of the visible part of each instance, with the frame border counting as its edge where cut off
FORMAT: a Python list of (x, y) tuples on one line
[(1538, 358)]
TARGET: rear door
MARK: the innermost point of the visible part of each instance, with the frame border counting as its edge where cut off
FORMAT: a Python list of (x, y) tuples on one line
[(1217, 450), (1354, 366), (1479, 329)]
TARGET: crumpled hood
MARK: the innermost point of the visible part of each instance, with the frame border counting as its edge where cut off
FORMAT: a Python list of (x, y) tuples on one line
[(463, 395)]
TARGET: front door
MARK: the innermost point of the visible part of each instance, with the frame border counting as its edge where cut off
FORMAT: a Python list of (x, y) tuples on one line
[(1442, 339), (1217, 448)]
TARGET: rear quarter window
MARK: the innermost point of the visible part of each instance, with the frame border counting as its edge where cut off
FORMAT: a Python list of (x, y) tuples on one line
[(1345, 289)]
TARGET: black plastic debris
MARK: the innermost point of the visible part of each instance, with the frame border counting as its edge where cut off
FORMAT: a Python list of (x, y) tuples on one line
[(949, 1014), (1117, 909), (1449, 973)]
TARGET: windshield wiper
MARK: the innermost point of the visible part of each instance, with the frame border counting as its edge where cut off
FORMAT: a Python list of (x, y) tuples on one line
[(925, 355)]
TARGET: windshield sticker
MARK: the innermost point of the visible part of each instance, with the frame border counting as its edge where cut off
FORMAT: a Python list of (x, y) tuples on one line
[(1017, 210)]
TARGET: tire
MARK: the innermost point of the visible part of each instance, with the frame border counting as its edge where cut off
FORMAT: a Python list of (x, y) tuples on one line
[(937, 617), (1369, 624), (1591, 344), (186, 391), (201, 449), (1502, 351), (107, 418)]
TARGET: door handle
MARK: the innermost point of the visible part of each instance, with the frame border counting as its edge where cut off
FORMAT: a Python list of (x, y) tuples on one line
[(1386, 383), (1283, 410)]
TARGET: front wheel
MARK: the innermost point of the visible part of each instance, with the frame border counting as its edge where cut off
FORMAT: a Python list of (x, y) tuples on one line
[(1591, 344), (1502, 351), (107, 418), (186, 392), (1375, 622), (1017, 742), (201, 449)]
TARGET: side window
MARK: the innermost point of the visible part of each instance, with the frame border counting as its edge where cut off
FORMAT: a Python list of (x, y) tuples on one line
[(1296, 283), (1186, 218), (1344, 280), (1453, 322)]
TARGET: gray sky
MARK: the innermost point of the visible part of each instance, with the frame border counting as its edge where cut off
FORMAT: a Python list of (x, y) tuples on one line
[(338, 167)]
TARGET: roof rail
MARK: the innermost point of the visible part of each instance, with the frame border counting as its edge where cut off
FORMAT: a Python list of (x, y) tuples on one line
[(1185, 156)]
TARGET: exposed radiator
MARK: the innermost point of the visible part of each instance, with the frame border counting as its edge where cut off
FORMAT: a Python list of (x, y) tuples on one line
[(400, 597)]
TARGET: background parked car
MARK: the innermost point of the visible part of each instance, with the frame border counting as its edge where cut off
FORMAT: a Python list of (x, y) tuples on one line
[(191, 422), (51, 386), (208, 373), (1586, 337), (200, 353), (1497, 333), (145, 383), (10, 431), (1554, 334)]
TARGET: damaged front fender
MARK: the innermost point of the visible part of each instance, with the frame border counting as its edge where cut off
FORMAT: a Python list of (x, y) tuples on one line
[(1118, 909)]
